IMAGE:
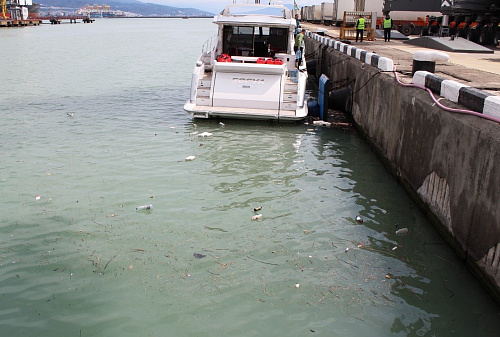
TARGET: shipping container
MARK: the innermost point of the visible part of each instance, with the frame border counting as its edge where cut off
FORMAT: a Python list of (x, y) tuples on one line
[(327, 9), (341, 6), (317, 15)]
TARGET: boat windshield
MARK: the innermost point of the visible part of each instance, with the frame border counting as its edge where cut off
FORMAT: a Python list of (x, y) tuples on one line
[(258, 10), (254, 41)]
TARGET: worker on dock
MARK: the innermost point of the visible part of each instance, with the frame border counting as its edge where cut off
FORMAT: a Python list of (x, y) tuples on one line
[(387, 24), (360, 27), (297, 24), (298, 46)]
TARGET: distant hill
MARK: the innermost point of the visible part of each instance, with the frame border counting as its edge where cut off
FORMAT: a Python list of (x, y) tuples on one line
[(133, 6)]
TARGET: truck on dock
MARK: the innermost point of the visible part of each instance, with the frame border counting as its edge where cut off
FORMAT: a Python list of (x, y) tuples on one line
[(332, 13), (329, 13), (316, 14), (475, 20), (411, 17)]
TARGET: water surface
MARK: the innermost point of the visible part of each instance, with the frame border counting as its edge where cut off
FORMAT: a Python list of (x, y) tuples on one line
[(92, 123)]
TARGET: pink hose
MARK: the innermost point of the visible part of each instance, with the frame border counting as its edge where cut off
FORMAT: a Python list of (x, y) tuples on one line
[(468, 112)]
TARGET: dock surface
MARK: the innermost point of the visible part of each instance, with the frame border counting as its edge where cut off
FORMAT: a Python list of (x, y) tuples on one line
[(478, 70)]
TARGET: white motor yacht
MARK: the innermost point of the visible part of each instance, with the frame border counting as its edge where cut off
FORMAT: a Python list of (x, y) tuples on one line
[(249, 69)]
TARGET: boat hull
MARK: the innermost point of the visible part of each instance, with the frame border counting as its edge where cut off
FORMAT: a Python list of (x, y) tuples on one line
[(245, 113), (250, 70)]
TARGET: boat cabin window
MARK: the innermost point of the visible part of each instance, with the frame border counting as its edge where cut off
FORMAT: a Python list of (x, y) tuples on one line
[(254, 41)]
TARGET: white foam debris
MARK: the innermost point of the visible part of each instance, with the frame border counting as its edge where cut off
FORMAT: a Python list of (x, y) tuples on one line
[(321, 123)]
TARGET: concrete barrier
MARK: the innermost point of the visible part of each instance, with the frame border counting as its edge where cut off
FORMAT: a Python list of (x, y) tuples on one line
[(471, 98), (448, 162), (382, 63)]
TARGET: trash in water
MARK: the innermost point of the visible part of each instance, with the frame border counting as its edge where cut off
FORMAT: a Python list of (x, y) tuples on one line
[(256, 209), (322, 123), (222, 125), (257, 217), (297, 285), (190, 158), (70, 114), (144, 207), (387, 276), (199, 256), (402, 231), (394, 248), (305, 231), (347, 249), (359, 219), (38, 197), (205, 134)]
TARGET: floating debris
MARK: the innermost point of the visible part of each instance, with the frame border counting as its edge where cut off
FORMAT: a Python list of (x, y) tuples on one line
[(222, 125), (70, 114), (256, 209), (347, 249), (297, 285), (394, 248), (402, 231), (205, 134), (322, 123), (190, 158), (199, 256), (38, 197), (144, 207), (257, 217), (359, 219)]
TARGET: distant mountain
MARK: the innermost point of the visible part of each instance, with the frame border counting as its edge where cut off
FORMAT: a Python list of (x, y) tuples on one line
[(133, 6)]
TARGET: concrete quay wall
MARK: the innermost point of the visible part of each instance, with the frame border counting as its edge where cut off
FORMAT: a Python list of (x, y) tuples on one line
[(448, 162)]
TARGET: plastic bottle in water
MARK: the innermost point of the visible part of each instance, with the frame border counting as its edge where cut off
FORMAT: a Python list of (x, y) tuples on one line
[(402, 231), (144, 207)]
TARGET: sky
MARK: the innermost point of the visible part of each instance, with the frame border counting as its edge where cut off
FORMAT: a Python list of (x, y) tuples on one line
[(216, 6)]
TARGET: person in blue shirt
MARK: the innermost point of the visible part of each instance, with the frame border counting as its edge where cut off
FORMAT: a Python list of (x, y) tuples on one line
[(297, 24)]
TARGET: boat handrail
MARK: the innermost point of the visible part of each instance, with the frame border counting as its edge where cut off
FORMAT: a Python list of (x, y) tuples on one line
[(209, 44)]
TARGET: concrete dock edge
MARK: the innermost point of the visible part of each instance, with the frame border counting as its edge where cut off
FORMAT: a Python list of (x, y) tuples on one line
[(448, 162)]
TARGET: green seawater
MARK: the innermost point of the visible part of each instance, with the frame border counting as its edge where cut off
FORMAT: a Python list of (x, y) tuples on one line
[(92, 123)]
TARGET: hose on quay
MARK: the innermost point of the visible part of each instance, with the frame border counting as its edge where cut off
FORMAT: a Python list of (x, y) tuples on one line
[(462, 111)]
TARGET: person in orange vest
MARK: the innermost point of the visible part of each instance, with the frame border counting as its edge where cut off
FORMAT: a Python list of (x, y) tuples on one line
[(387, 24), (360, 27)]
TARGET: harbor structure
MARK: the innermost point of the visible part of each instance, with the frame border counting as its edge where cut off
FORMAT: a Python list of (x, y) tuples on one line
[(442, 147)]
